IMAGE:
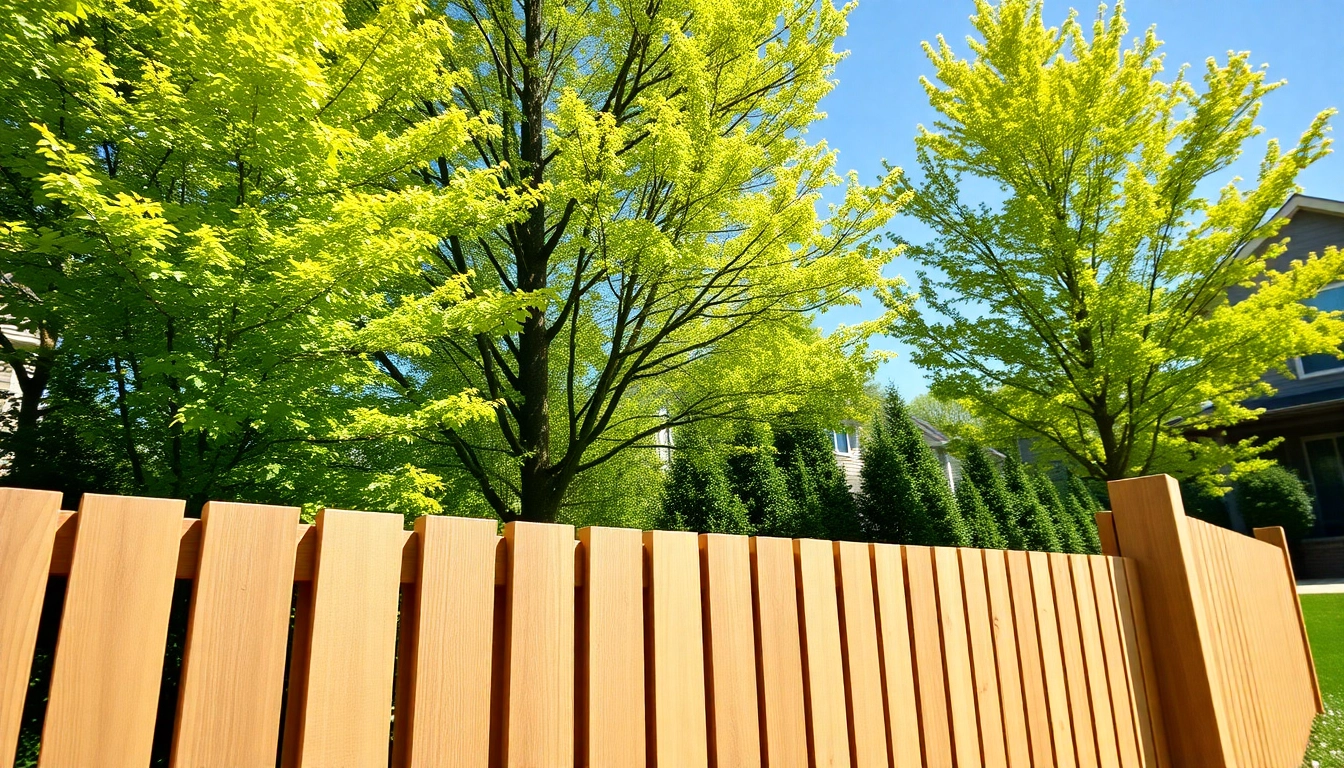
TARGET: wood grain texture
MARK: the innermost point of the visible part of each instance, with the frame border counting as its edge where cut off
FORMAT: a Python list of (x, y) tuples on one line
[(730, 650), (980, 624), (233, 664), (928, 655), (611, 723), (957, 657), (539, 627), (1029, 659), (1139, 663), (863, 664), (444, 694), (348, 697), (823, 667), (897, 663), (1151, 528), (109, 655), (1017, 740), (1052, 661), (301, 640), (1119, 682), (779, 656), (1094, 661), (28, 522), (675, 667), (1106, 532), (1071, 650), (1275, 536)]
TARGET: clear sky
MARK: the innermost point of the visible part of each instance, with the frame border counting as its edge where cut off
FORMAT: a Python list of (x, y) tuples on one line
[(873, 112)]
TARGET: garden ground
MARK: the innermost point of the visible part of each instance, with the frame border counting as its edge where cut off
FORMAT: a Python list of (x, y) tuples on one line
[(1324, 614)]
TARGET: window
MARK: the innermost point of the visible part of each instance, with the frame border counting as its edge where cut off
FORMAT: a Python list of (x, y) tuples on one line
[(842, 441), (1325, 462), (1330, 299)]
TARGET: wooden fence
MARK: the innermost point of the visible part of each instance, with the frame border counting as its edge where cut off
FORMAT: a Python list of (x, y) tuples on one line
[(354, 643)]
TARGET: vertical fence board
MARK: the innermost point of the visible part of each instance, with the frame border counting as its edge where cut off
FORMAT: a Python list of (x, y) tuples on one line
[(779, 656), (897, 664), (1275, 536), (676, 664), (301, 639), (109, 656), (443, 686), (1139, 663), (233, 663), (1094, 660), (823, 668), (27, 530), (927, 636), (1075, 674), (730, 651), (539, 631), (1122, 707), (863, 667), (612, 725), (1017, 740), (980, 623), (1052, 661), (957, 657), (1026, 628)]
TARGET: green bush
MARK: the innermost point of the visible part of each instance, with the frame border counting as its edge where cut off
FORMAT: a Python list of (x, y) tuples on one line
[(1275, 496)]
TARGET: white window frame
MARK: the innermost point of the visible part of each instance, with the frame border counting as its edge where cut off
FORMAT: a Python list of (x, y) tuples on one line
[(851, 440), (1297, 361)]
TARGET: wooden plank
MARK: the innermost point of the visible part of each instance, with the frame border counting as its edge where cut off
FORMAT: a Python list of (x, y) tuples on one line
[(1139, 662), (863, 664), (980, 623), (779, 656), (1275, 536), (1034, 697), (1094, 661), (957, 657), (1075, 672), (301, 640), (1016, 737), (348, 699), (677, 733), (443, 698), (611, 725), (1210, 561), (730, 650), (897, 664), (539, 627), (1118, 684), (109, 655), (27, 529), (926, 632), (823, 667), (1110, 546), (233, 663), (1052, 661), (1151, 527)]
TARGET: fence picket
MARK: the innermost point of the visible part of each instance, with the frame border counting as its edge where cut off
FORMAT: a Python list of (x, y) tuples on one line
[(897, 663), (927, 636), (730, 650), (676, 664), (611, 731), (823, 667), (980, 624), (779, 656), (863, 668)]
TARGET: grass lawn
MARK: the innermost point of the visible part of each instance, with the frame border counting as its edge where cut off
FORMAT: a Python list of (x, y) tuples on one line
[(1324, 615)]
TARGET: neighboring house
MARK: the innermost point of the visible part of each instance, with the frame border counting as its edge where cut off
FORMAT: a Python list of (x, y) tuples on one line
[(846, 444), (9, 383), (1308, 411)]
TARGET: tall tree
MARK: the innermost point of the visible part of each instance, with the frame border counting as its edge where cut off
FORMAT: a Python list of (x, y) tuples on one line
[(1033, 518), (984, 529), (1086, 305), (672, 228), (1066, 524), (699, 496), (759, 483), (817, 484), (979, 468)]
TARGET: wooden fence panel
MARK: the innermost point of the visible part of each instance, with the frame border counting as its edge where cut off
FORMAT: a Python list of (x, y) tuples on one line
[(27, 530), (611, 729), (1075, 674), (109, 656), (823, 666), (1016, 737), (676, 663), (348, 700), (233, 663), (980, 624), (863, 666), (1118, 677), (1030, 660), (928, 654), (1052, 661), (897, 661), (1094, 660), (956, 657), (779, 655), (730, 651)]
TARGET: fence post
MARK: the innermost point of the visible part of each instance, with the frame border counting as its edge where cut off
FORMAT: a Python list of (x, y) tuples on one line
[(1151, 530), (1275, 536)]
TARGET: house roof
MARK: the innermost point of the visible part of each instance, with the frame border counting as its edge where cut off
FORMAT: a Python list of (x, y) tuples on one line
[(1294, 204)]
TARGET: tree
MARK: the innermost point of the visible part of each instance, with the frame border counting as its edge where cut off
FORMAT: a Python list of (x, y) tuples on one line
[(1071, 539), (1083, 508), (698, 496), (817, 484), (210, 219), (759, 483), (979, 469), (1033, 518), (671, 230), (1276, 496), (980, 521), (1086, 307), (904, 494)]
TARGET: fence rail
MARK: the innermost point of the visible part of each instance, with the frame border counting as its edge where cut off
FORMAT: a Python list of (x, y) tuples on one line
[(305, 645)]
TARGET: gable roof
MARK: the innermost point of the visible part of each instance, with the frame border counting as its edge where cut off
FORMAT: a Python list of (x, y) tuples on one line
[(1290, 208)]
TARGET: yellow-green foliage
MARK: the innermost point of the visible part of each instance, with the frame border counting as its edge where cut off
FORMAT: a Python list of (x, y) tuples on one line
[(1086, 304)]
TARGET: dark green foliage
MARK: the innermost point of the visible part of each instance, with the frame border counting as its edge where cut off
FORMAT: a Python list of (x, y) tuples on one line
[(1038, 531), (1066, 525), (979, 467), (904, 494), (1275, 496), (1204, 503), (698, 496), (1084, 518), (817, 485), (759, 483), (985, 532)]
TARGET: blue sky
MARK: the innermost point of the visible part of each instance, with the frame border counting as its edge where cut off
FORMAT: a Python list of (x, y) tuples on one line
[(873, 112)]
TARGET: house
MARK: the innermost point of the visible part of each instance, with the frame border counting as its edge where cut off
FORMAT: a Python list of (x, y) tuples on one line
[(1307, 411), (9, 384), (846, 445)]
